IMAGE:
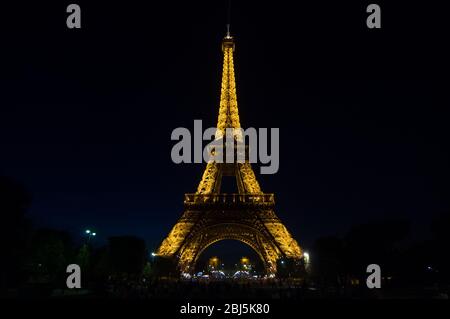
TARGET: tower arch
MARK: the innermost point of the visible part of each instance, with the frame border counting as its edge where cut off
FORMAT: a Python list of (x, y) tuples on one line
[(244, 233)]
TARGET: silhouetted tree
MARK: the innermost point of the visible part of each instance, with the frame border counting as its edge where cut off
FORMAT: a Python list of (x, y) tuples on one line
[(437, 256), (83, 257), (165, 267), (15, 232), (374, 243), (51, 252), (127, 255), (147, 272), (290, 268), (328, 261), (99, 269)]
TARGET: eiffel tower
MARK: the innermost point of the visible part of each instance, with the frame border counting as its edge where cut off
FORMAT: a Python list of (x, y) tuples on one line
[(211, 216)]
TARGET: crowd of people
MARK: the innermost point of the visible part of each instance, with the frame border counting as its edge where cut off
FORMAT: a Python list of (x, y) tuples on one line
[(226, 289)]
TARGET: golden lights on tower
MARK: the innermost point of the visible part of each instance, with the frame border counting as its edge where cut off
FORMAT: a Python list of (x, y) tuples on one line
[(211, 215)]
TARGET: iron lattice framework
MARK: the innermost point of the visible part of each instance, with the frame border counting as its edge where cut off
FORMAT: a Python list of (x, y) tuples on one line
[(211, 216)]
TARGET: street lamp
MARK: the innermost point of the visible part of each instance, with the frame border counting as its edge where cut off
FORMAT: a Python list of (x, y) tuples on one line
[(306, 257), (90, 234)]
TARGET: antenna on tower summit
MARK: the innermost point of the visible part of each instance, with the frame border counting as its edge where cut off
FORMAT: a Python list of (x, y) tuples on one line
[(228, 18)]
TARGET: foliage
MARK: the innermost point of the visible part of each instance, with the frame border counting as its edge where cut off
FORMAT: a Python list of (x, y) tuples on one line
[(290, 268)]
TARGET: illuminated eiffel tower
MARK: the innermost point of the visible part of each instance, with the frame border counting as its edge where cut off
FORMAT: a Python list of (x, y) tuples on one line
[(211, 216)]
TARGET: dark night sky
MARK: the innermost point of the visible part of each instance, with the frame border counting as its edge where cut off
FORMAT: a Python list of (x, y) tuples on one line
[(86, 115)]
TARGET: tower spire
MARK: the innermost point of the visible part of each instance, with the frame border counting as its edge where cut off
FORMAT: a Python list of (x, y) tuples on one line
[(228, 118), (228, 19), (228, 109)]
